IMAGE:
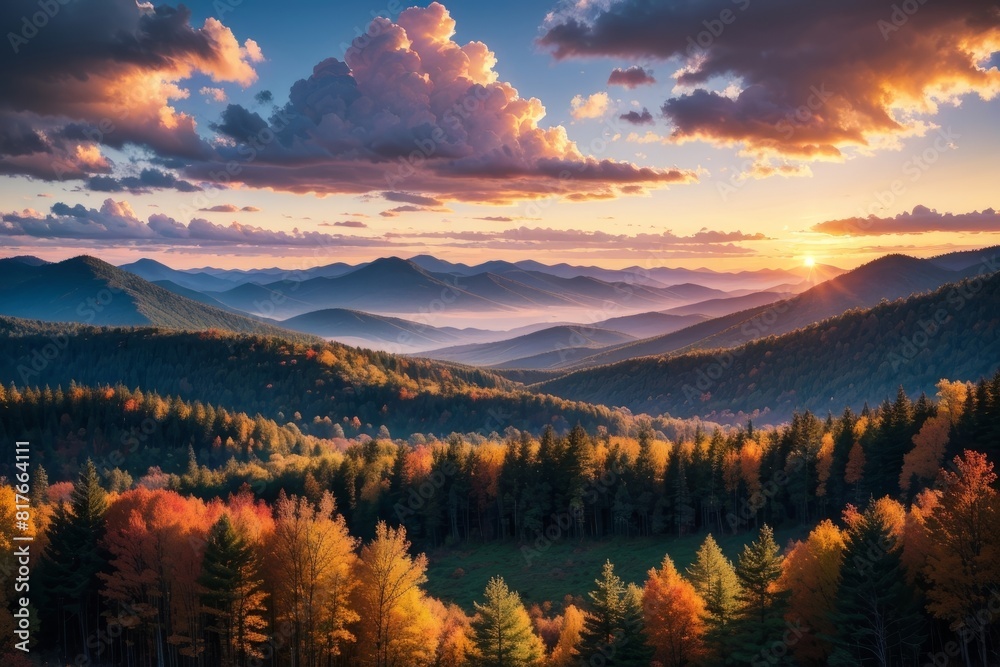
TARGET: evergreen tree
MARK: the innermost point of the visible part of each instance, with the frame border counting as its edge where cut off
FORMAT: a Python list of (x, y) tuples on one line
[(714, 577), (502, 631), (70, 564), (634, 649), (232, 598), (40, 487), (613, 632), (878, 620), (760, 622)]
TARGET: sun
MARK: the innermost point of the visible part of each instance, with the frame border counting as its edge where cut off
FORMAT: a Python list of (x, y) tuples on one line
[(809, 261)]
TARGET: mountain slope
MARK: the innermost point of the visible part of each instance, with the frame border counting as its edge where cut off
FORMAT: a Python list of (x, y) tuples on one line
[(646, 325), (89, 291), (389, 285), (726, 306), (286, 381), (862, 355), (551, 340), (890, 277), (403, 334)]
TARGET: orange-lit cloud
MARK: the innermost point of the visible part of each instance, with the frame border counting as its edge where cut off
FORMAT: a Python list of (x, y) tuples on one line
[(106, 74), (817, 81), (918, 221)]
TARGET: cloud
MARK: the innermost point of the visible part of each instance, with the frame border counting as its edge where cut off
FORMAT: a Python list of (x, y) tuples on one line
[(638, 118), (213, 94), (410, 208), (632, 77), (117, 222), (106, 73), (229, 208), (816, 82), (563, 239), (411, 110), (496, 218), (407, 198), (356, 224), (594, 106), (147, 181), (920, 220)]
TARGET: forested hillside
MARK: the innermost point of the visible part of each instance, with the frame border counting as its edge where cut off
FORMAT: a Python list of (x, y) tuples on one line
[(860, 356), (280, 379), (178, 564)]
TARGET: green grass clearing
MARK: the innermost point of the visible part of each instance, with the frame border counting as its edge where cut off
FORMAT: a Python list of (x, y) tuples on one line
[(567, 567)]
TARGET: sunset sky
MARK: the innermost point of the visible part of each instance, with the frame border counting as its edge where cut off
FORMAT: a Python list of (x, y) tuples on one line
[(724, 133)]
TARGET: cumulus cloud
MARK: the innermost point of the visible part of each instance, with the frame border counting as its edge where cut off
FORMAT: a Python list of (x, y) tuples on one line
[(638, 117), (593, 106), (106, 74), (918, 221), (411, 110), (816, 81), (631, 77)]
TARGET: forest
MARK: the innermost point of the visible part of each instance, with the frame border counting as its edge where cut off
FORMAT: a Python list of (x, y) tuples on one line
[(175, 533)]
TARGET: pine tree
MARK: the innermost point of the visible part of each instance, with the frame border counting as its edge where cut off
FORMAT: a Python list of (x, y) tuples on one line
[(232, 596), (714, 578), (502, 631), (760, 622), (613, 633), (40, 487), (71, 562), (634, 649), (877, 618), (602, 625)]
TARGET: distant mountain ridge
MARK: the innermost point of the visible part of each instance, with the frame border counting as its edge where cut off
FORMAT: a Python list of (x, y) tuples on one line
[(87, 290), (855, 357)]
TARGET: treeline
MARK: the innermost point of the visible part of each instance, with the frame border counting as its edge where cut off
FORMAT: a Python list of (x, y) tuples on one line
[(476, 488), (277, 378), (153, 577), (845, 360)]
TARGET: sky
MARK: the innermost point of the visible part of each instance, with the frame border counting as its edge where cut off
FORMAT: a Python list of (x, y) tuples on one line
[(730, 134)]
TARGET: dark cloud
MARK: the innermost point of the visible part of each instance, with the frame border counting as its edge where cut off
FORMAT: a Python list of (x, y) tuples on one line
[(407, 198), (918, 221), (638, 118), (632, 77), (103, 73), (147, 181), (814, 80)]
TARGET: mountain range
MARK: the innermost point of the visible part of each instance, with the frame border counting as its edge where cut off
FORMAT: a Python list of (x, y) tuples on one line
[(644, 344)]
